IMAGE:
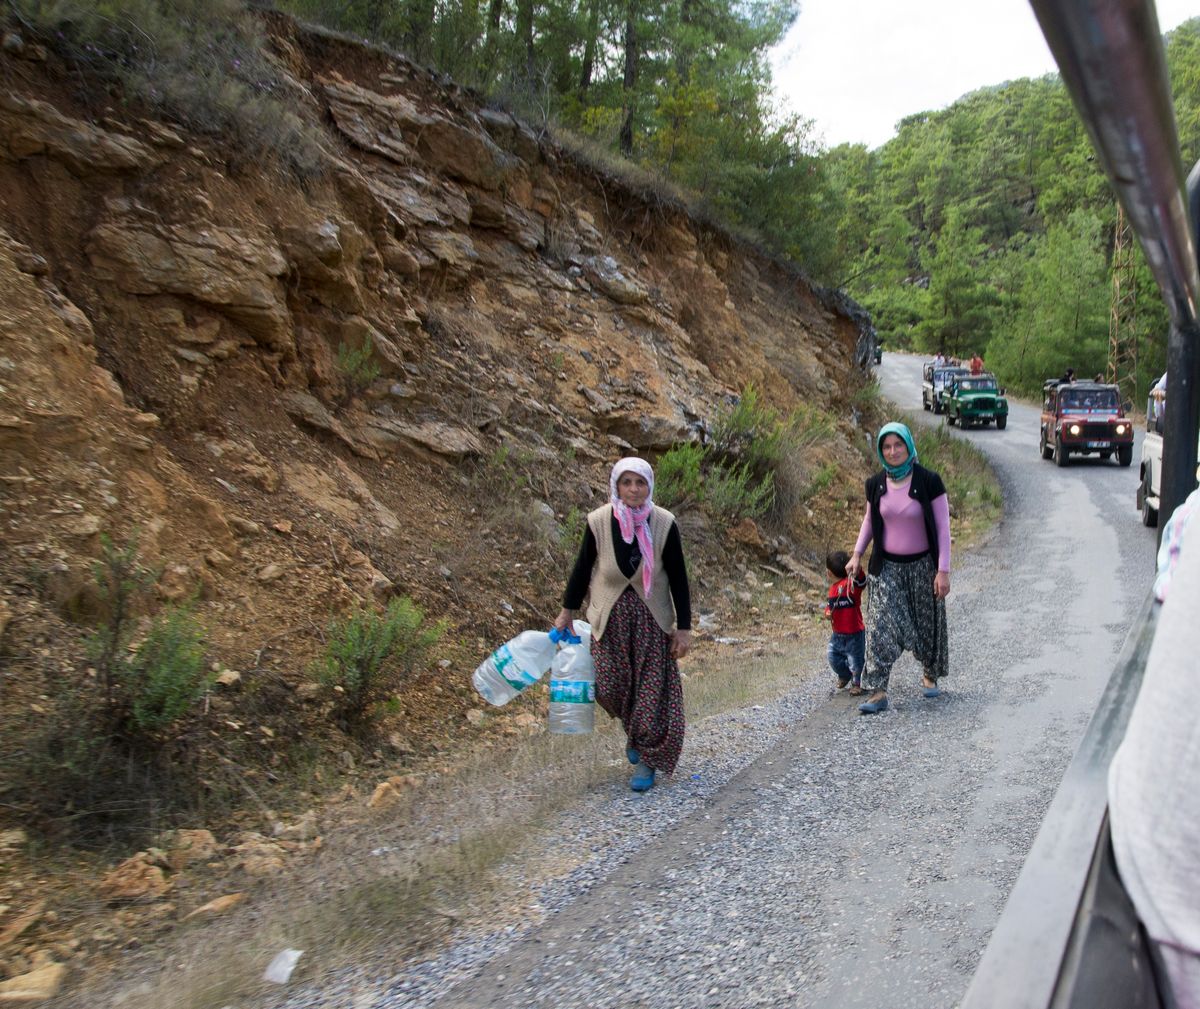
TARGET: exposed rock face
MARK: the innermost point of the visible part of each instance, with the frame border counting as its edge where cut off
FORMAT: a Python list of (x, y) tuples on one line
[(29, 127), (435, 437), (606, 275), (392, 126), (219, 266), (325, 254)]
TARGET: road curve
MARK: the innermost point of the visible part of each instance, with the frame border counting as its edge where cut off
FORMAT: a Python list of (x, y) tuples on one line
[(863, 861)]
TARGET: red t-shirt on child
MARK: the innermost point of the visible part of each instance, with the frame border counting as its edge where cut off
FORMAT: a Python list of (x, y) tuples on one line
[(844, 607)]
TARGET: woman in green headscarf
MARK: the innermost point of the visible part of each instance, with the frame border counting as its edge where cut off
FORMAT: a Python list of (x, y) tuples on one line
[(908, 518)]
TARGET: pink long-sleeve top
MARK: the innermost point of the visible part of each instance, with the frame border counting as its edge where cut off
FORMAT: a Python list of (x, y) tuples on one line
[(904, 525)]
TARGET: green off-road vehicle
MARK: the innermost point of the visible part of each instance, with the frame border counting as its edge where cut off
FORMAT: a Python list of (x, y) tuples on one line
[(975, 399)]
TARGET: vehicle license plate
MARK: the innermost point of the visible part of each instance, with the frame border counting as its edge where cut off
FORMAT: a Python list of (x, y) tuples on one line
[(1097, 444)]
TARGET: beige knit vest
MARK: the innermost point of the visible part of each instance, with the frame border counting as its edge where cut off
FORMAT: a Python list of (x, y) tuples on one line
[(608, 582)]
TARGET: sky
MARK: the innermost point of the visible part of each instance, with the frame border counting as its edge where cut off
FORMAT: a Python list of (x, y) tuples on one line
[(856, 67)]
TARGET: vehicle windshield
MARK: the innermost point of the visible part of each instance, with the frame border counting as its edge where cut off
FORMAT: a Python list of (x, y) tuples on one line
[(944, 375), (1088, 399), (977, 384)]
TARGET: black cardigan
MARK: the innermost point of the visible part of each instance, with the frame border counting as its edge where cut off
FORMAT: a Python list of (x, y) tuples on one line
[(926, 485)]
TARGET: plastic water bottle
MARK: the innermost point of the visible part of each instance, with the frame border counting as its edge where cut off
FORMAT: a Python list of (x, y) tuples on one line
[(516, 665), (573, 684)]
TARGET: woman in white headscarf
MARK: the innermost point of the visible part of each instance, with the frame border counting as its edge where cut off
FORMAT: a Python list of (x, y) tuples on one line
[(631, 570)]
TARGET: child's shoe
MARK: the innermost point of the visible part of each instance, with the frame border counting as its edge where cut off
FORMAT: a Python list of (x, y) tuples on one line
[(843, 684), (856, 688)]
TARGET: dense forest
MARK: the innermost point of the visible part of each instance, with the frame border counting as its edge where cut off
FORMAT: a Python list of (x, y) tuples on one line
[(989, 227), (984, 227)]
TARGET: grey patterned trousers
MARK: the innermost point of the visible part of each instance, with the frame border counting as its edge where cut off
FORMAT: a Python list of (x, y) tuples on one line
[(903, 615)]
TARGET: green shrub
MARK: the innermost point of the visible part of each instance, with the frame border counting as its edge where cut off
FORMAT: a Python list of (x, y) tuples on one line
[(678, 481), (357, 367), (99, 764), (121, 586), (750, 434), (822, 480), (368, 654), (772, 449), (167, 674), (868, 396), (570, 534), (148, 686), (732, 492), (199, 62), (807, 426)]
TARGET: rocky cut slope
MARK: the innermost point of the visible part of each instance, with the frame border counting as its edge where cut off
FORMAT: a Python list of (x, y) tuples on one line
[(170, 329), (169, 339)]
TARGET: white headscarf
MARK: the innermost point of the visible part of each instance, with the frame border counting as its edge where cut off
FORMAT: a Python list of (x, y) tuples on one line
[(635, 521)]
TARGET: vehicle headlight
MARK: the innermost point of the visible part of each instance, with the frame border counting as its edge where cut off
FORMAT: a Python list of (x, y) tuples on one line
[(1120, 429), (1074, 429)]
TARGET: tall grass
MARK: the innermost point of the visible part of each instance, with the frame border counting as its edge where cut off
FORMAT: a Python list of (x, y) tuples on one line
[(201, 63)]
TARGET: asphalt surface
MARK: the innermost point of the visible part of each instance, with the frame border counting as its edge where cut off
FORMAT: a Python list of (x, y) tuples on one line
[(858, 861)]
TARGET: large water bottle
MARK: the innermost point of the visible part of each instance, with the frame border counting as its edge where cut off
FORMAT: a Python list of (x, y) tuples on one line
[(573, 684), (516, 665)]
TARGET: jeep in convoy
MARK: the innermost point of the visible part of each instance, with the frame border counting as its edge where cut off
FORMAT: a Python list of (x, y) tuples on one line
[(934, 378), (975, 399), (1082, 418), (1150, 482)]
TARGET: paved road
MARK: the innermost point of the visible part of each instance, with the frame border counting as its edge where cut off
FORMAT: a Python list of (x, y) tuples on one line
[(862, 862)]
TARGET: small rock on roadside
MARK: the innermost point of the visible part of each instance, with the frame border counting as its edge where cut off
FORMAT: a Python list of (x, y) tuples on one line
[(13, 839), (304, 829), (217, 906), (137, 878), (38, 985)]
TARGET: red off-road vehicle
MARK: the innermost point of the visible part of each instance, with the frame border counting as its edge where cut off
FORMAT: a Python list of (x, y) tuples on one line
[(1079, 418)]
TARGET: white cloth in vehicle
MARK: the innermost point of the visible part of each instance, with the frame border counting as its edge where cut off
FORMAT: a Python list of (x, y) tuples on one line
[(1154, 801)]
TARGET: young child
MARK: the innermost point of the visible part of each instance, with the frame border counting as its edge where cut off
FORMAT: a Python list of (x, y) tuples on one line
[(847, 643)]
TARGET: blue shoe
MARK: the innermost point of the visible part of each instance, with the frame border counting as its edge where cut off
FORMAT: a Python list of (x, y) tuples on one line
[(632, 755), (643, 778), (873, 707), (931, 691)]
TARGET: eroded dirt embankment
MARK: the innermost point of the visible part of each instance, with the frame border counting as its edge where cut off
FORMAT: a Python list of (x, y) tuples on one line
[(169, 340)]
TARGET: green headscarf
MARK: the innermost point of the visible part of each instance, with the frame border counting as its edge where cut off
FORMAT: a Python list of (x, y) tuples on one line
[(901, 471)]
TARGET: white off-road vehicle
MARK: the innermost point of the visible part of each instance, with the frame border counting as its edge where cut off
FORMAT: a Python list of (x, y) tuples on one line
[(1150, 488)]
